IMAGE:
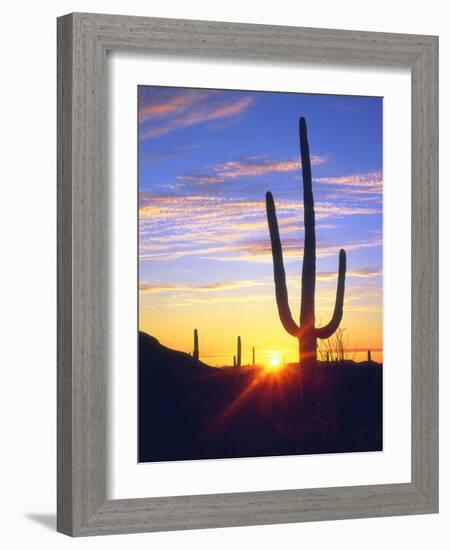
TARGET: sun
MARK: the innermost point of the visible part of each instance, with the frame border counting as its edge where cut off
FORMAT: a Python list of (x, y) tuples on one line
[(274, 361)]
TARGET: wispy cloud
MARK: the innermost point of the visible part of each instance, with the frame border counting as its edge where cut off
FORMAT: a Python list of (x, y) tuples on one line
[(187, 108), (199, 209), (257, 166), (167, 104), (261, 251), (229, 229), (250, 167), (364, 273), (189, 300), (149, 288), (370, 183), (232, 285), (201, 179)]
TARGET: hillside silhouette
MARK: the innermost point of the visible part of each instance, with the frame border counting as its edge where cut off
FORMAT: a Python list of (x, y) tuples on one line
[(189, 410)]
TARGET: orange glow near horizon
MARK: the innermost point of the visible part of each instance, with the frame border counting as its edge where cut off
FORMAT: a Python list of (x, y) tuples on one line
[(168, 319)]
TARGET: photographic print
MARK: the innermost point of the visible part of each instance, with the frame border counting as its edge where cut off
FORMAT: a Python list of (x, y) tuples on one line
[(260, 273)]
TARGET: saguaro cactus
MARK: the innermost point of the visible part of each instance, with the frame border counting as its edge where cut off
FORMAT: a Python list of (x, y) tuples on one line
[(239, 352), (253, 355), (369, 356), (195, 353), (234, 360), (306, 332)]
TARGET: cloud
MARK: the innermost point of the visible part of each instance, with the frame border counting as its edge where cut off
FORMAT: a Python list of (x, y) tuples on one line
[(256, 291), (232, 229), (157, 288), (261, 251), (182, 300), (201, 179), (329, 210), (260, 166), (256, 251), (190, 108), (166, 104), (363, 273), (149, 288), (250, 167), (216, 112), (370, 183), (372, 178)]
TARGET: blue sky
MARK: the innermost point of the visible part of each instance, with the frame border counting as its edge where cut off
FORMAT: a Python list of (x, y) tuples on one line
[(206, 159)]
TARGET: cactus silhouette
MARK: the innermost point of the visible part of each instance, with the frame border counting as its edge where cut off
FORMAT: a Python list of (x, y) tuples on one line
[(253, 356), (306, 332), (369, 356), (195, 353), (239, 350), (234, 360)]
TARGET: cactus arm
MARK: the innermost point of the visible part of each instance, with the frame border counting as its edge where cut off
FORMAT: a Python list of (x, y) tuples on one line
[(328, 330), (279, 274)]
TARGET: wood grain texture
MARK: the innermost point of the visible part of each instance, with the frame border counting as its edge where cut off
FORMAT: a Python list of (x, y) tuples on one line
[(64, 298), (82, 261), (83, 41), (424, 279)]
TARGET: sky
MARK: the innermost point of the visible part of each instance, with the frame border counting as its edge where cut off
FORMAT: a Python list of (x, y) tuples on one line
[(206, 160)]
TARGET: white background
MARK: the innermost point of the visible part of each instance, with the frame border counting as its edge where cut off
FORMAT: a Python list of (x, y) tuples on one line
[(28, 300), (131, 480)]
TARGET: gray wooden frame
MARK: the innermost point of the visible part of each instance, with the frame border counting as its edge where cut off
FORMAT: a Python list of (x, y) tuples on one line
[(83, 41)]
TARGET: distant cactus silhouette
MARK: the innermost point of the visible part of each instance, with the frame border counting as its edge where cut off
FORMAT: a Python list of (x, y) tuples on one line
[(239, 352), (234, 360), (253, 356), (306, 332), (369, 356), (195, 353)]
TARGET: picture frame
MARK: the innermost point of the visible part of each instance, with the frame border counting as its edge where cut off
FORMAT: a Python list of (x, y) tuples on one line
[(83, 41)]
